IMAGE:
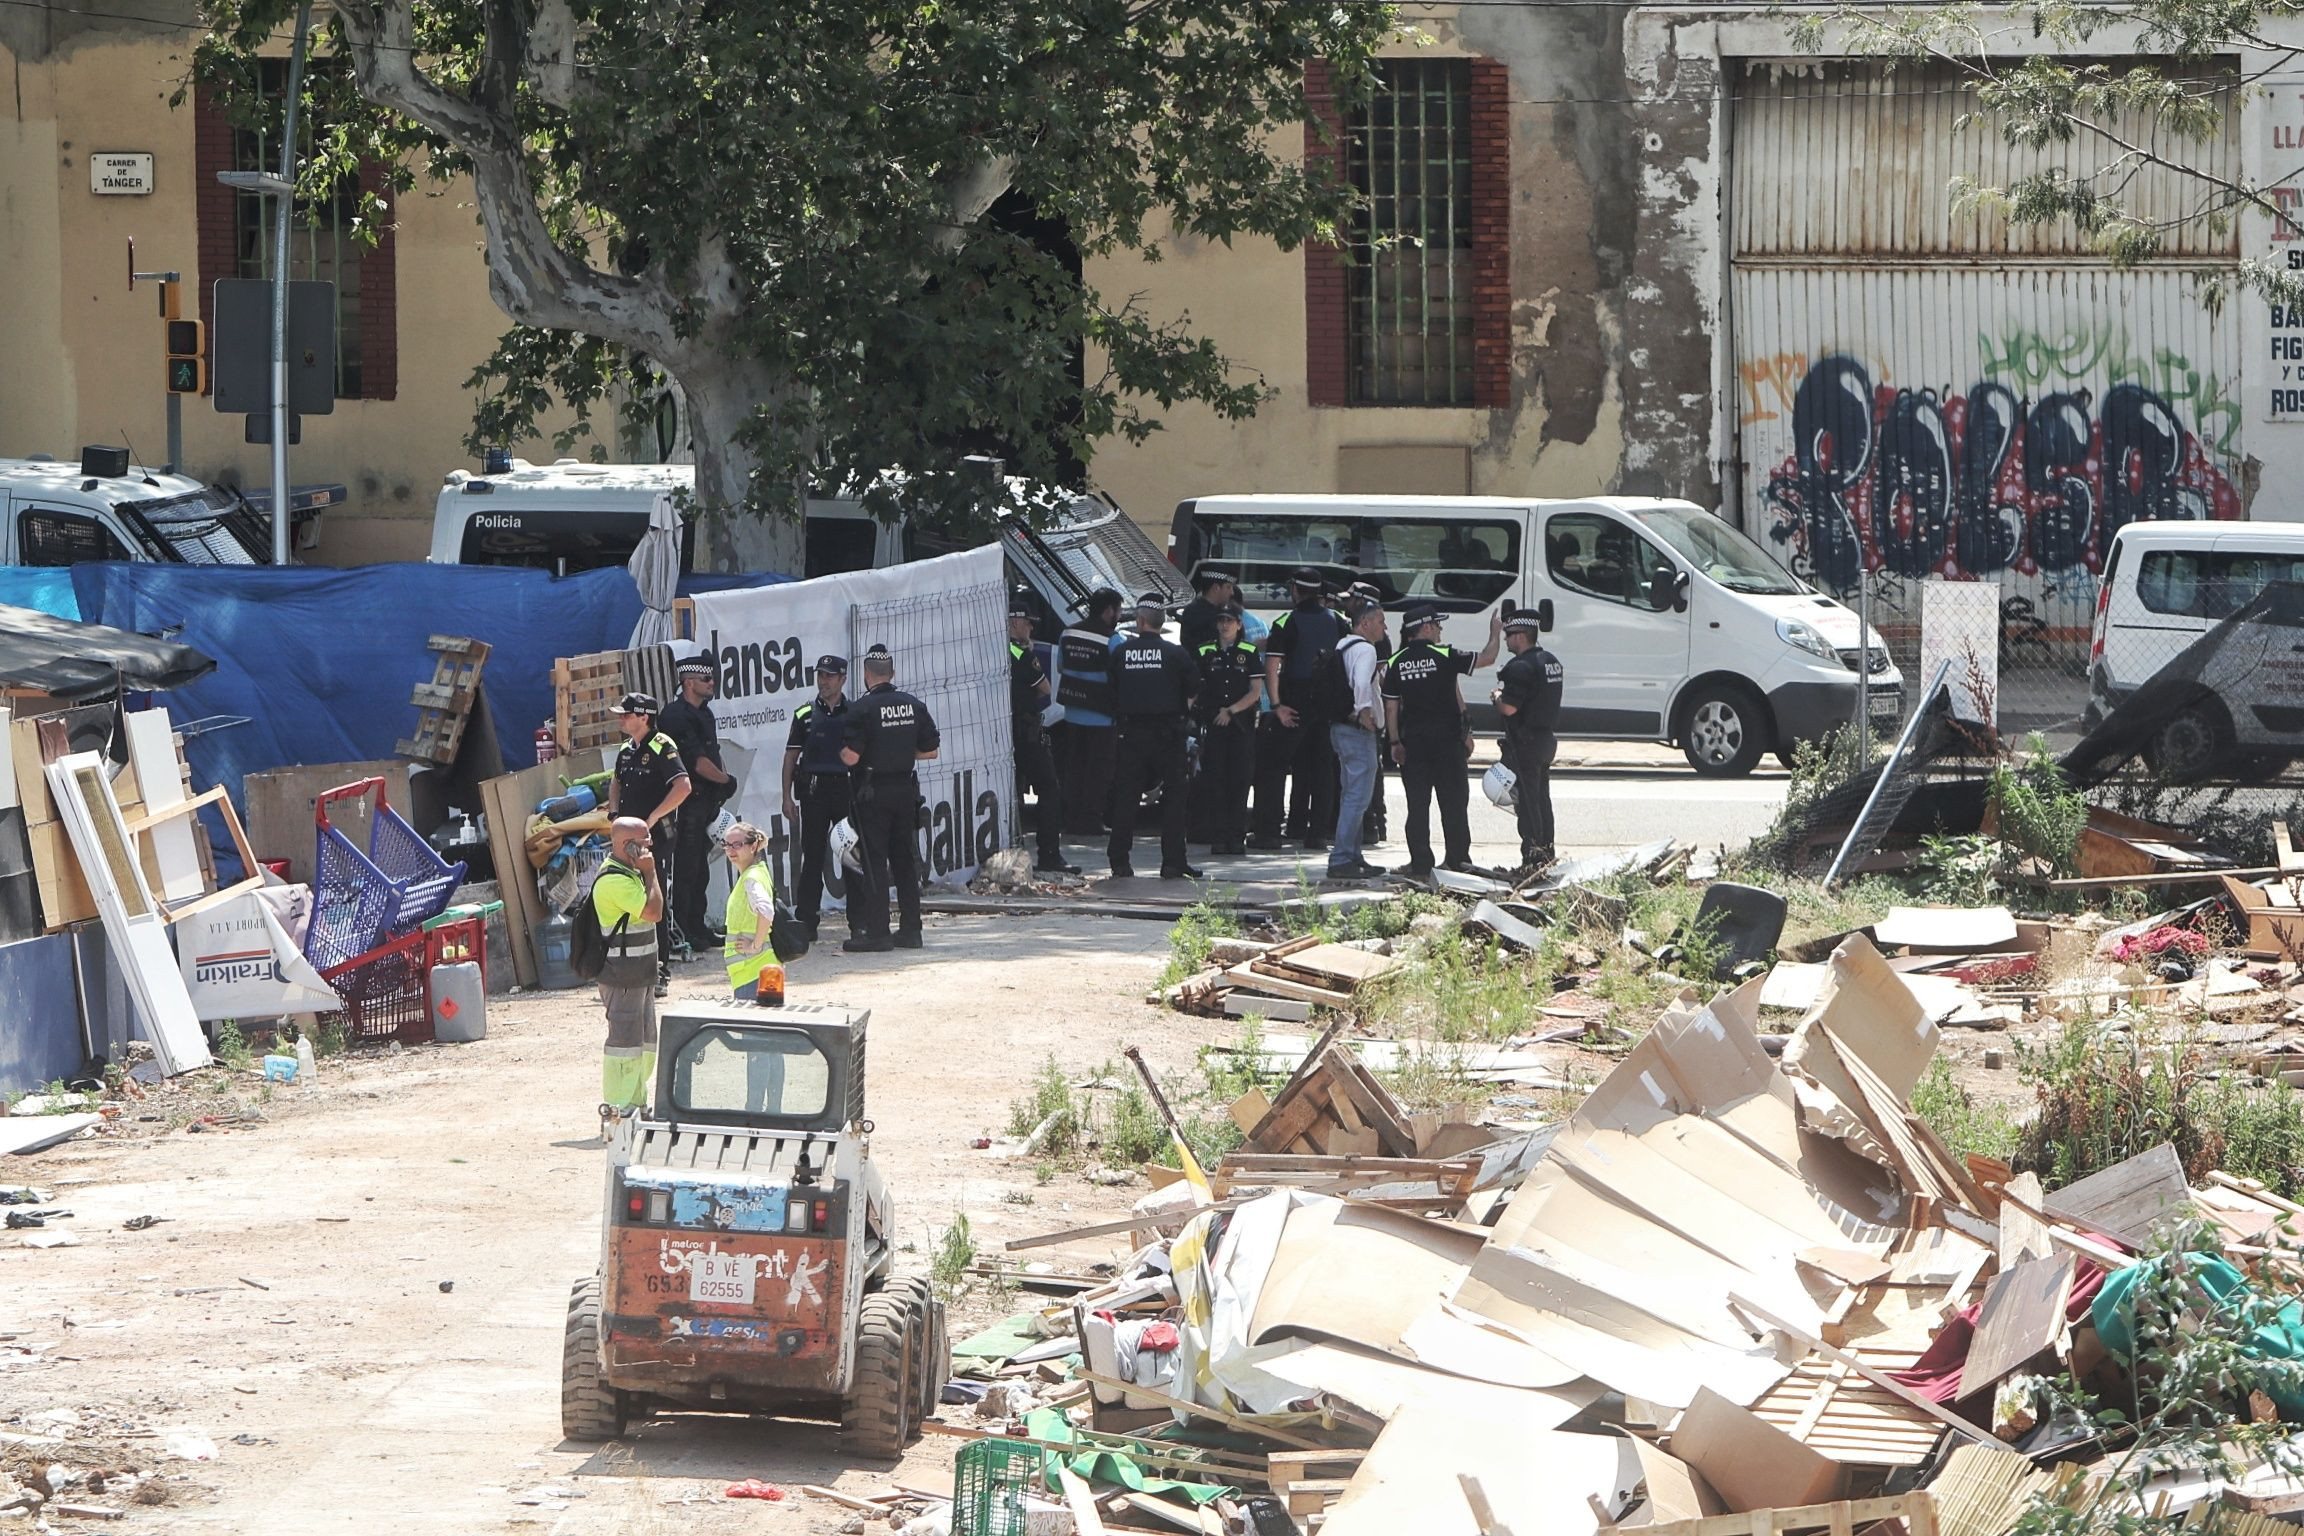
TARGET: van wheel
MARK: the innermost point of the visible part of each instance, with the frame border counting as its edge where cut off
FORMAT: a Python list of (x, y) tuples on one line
[(1723, 731), (590, 1409), (2189, 745)]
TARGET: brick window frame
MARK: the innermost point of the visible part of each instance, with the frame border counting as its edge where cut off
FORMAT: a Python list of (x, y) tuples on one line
[(1327, 363), (216, 206)]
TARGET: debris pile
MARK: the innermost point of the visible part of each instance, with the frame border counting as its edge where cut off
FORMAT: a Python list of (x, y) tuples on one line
[(1735, 1290)]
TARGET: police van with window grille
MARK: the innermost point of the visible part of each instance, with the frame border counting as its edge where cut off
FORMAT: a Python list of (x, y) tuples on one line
[(1672, 625), (107, 507)]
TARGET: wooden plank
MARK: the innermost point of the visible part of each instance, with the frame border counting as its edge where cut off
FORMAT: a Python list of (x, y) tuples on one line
[(1877, 1377), (1110, 1228), (1917, 1510), (1161, 1509), (2128, 1200), (2023, 1315), (1087, 1520), (1247, 978), (1201, 1411), (2022, 1234)]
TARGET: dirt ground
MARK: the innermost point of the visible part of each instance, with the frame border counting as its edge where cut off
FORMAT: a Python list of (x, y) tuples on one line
[(359, 1297)]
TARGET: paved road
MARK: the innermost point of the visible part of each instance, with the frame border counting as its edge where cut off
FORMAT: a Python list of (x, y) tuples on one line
[(1605, 796)]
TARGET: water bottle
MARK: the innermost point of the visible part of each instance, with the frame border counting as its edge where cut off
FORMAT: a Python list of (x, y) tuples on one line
[(553, 971), (305, 1067)]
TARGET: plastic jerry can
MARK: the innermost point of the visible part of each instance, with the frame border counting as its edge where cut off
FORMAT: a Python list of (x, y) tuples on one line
[(553, 971), (459, 1003)]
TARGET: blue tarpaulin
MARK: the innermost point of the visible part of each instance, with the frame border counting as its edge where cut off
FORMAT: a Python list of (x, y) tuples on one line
[(47, 588), (322, 660)]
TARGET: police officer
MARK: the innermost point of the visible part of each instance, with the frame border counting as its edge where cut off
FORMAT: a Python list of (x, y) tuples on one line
[(1424, 715), (1196, 625), (1084, 688), (888, 732), (1288, 745), (1231, 687), (687, 719), (1152, 685), (1355, 600), (816, 782), (1028, 692), (649, 781), (1528, 693)]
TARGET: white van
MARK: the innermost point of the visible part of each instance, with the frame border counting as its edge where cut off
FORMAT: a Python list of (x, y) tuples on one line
[(1673, 626), (2165, 585), (571, 516), (107, 508)]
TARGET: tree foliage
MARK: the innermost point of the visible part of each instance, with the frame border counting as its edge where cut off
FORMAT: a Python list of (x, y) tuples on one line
[(790, 208), (2108, 93)]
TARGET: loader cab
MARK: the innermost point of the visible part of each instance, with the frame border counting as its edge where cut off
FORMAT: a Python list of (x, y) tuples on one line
[(786, 1069)]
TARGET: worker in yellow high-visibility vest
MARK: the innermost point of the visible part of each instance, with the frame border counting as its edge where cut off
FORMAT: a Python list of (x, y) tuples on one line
[(751, 915)]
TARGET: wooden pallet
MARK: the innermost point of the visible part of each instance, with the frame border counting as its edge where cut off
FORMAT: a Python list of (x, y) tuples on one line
[(1843, 1516), (584, 694), (444, 705)]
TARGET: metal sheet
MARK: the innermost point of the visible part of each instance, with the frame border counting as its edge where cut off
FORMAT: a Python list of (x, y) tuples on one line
[(1851, 158), (1978, 422)]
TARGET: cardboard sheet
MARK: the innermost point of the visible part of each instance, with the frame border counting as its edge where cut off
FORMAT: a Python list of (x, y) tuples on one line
[(1674, 1489), (1383, 1386), (1410, 1266), (1601, 1334), (1748, 1461), (1872, 1011), (1537, 1479), (2130, 1199)]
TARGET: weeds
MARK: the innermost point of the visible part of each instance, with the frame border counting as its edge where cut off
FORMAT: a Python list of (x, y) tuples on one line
[(232, 1047), (1191, 940), (1465, 991), (333, 1038), (1133, 1134), (955, 1255), (1954, 1115), (1050, 1102), (1230, 1073), (1436, 1077), (1963, 870), (2106, 1094), (2037, 811)]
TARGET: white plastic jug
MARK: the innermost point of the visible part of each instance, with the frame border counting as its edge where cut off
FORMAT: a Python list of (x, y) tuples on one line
[(459, 1003)]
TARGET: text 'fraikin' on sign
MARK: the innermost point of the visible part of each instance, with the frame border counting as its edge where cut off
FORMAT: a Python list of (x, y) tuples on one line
[(120, 173)]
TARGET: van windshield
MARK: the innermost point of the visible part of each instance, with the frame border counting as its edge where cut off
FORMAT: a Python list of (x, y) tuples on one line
[(210, 526), (1719, 551)]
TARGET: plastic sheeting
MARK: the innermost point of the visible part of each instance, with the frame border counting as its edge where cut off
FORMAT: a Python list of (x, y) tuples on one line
[(76, 661)]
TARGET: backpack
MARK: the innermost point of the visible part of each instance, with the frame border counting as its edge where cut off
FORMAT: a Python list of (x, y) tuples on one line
[(587, 943), (1328, 698)]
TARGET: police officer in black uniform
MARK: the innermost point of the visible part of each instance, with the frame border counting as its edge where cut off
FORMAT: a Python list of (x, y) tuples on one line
[(816, 782), (1084, 688), (1196, 625), (888, 732), (687, 719), (1231, 687), (650, 782), (1035, 763), (1424, 715), (1289, 746), (1528, 693), (1152, 685)]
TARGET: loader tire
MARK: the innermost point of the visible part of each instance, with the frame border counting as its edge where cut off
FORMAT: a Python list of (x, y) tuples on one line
[(878, 1419), (934, 1342), (590, 1409)]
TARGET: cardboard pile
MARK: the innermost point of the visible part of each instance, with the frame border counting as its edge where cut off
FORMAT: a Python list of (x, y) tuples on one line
[(1729, 1294)]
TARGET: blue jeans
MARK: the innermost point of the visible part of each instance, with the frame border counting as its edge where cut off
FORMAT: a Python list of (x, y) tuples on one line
[(1356, 776)]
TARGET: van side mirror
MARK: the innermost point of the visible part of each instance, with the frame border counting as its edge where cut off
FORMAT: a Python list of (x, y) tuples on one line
[(1544, 615), (1680, 593), (1661, 588)]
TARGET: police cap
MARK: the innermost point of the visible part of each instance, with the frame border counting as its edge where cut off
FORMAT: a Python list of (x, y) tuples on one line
[(1419, 615), (1208, 576), (836, 665), (1020, 604), (1525, 621), (1306, 576), (1156, 601), (637, 704), (698, 665)]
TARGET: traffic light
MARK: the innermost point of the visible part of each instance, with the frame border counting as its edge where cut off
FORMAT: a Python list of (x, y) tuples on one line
[(187, 357)]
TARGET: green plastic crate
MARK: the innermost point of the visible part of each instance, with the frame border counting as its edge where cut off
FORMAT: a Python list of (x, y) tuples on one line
[(988, 1487)]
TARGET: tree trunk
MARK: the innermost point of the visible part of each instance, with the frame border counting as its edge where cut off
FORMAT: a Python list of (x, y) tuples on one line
[(721, 394)]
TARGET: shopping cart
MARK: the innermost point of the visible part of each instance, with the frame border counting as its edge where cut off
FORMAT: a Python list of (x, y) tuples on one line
[(363, 898)]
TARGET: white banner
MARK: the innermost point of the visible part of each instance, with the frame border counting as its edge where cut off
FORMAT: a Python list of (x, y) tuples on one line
[(945, 621), (242, 958)]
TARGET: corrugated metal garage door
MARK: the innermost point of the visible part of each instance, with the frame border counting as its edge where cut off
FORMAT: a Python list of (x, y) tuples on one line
[(1968, 400)]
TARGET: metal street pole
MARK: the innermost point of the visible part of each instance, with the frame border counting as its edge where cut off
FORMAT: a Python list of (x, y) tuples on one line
[(283, 208)]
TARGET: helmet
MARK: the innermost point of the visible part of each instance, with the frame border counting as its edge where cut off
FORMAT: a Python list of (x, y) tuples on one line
[(845, 847), (1500, 784)]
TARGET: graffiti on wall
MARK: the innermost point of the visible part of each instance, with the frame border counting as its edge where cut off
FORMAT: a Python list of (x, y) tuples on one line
[(2027, 472)]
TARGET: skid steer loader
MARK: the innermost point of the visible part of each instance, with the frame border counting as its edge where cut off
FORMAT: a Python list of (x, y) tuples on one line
[(747, 1258)]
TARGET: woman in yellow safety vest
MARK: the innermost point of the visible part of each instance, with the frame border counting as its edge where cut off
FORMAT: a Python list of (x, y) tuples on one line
[(751, 912)]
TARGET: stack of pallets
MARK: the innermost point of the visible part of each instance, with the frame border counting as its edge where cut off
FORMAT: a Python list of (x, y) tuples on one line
[(444, 705)]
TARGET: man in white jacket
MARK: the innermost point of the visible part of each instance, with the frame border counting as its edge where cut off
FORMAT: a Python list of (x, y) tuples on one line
[(1357, 740)]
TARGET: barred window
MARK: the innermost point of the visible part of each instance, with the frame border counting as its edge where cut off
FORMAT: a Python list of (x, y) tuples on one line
[(321, 244), (1408, 156)]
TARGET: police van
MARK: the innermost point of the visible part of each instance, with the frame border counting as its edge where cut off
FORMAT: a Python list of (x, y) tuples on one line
[(571, 516), (1673, 626), (107, 507)]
